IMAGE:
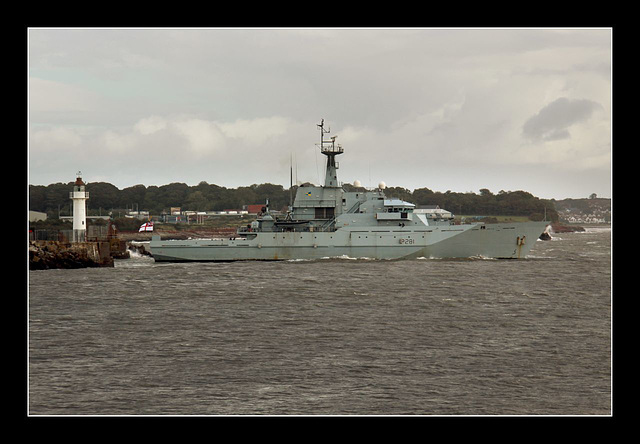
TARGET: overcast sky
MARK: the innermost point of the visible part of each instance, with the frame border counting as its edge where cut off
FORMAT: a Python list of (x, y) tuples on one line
[(446, 109)]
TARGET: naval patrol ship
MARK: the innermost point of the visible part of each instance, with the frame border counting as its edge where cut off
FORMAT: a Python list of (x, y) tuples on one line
[(327, 222)]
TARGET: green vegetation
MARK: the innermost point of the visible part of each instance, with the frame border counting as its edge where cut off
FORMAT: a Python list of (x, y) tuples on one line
[(105, 197)]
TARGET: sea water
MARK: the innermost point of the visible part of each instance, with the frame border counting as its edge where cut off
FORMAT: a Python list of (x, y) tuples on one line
[(328, 337)]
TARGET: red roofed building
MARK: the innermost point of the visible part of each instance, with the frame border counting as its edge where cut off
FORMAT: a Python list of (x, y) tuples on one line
[(255, 209)]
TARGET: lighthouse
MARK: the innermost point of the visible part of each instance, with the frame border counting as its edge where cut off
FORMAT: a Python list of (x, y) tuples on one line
[(79, 197)]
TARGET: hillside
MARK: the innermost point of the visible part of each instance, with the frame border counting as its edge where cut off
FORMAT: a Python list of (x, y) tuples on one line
[(584, 211), (106, 198)]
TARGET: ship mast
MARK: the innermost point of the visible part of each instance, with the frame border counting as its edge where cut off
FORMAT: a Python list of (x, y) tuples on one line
[(330, 150)]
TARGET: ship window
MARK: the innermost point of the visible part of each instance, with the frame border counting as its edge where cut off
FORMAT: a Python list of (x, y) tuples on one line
[(324, 213)]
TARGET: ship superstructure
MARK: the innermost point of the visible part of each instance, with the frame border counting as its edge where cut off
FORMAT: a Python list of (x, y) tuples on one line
[(326, 221)]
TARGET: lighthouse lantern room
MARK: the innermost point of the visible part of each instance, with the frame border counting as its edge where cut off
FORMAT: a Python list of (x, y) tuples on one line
[(79, 197)]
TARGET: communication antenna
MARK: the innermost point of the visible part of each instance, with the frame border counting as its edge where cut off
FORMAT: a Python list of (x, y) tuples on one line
[(317, 169), (322, 131)]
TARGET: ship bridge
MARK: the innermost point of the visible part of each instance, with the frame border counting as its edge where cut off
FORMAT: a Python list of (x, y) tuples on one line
[(398, 206), (396, 209)]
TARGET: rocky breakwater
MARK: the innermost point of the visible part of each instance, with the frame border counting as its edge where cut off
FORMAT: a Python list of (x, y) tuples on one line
[(44, 255), (139, 248), (560, 228)]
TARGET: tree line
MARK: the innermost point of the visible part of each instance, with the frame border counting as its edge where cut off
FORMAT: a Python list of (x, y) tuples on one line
[(103, 197), (54, 199)]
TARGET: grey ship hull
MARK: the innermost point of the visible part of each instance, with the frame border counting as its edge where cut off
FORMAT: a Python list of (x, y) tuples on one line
[(325, 222), (455, 241)]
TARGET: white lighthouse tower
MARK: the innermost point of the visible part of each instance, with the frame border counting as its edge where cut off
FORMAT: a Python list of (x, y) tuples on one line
[(79, 197)]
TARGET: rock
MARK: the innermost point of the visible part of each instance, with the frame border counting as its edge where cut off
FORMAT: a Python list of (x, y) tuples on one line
[(138, 248), (558, 228), (44, 255), (545, 236)]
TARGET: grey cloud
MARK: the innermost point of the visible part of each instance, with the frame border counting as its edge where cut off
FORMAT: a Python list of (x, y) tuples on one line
[(553, 121), (228, 106)]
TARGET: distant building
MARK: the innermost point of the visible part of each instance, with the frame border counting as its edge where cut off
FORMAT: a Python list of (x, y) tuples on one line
[(173, 218), (70, 218), (137, 214), (254, 209), (35, 216)]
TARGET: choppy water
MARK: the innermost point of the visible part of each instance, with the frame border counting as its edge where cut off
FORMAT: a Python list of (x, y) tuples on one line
[(328, 337)]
